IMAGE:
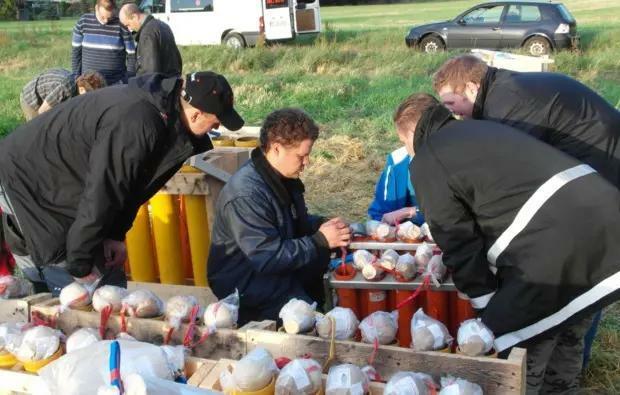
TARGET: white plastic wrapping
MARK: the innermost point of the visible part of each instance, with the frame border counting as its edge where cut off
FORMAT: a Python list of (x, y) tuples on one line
[(82, 338), (179, 308), (362, 258), (380, 326), (457, 386), (134, 384), (410, 383), (35, 344), (10, 332), (143, 303), (254, 371), (14, 287), (426, 232), (427, 333), (474, 338), (409, 231), (436, 269), (371, 373), (75, 295), (109, 295), (372, 272), (380, 230), (298, 316), (346, 379), (423, 255), (300, 377), (223, 313), (388, 259), (83, 371), (345, 320), (406, 267)]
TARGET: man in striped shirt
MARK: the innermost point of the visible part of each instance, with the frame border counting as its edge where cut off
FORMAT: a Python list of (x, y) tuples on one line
[(54, 86), (102, 44)]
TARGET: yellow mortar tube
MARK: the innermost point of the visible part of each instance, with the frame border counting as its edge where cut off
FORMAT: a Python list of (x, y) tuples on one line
[(167, 241), (198, 231), (140, 248)]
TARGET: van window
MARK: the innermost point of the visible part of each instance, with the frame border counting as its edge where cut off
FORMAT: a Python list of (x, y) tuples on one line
[(276, 3), (152, 6), (191, 5)]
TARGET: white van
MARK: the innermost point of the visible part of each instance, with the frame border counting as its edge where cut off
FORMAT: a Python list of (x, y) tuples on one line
[(236, 23)]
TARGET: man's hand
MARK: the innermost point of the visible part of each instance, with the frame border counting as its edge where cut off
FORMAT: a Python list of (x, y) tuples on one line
[(114, 252), (337, 233), (398, 215), (89, 279)]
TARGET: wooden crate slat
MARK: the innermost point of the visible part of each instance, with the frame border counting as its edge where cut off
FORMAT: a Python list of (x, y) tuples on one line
[(18, 310)]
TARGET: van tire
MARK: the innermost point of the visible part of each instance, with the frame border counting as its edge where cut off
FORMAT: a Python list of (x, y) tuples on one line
[(234, 40)]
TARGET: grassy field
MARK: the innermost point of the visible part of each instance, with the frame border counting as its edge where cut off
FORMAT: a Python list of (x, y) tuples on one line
[(350, 79)]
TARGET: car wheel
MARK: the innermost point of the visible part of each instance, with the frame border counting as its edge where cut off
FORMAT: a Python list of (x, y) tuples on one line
[(432, 44), (537, 46), (234, 40)]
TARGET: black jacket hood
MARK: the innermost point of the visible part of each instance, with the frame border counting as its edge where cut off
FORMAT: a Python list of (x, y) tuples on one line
[(432, 119), (159, 89)]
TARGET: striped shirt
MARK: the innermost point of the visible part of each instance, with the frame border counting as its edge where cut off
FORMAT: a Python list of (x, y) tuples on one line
[(108, 49), (52, 86)]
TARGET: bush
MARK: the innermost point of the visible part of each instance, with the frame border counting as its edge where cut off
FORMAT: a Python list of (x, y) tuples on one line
[(8, 10)]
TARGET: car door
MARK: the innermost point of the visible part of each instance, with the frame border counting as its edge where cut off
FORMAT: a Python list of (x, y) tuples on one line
[(518, 20), (477, 28)]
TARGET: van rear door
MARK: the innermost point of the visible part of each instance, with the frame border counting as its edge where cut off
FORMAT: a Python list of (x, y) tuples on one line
[(307, 16), (277, 18)]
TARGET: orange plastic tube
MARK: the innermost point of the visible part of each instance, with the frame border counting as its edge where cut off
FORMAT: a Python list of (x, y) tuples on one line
[(405, 314), (347, 297), (373, 300), (438, 306)]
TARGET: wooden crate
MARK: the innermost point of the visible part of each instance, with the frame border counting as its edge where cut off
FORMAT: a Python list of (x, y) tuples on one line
[(18, 310), (165, 291)]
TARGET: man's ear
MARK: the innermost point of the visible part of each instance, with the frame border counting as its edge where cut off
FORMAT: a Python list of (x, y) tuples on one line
[(472, 87)]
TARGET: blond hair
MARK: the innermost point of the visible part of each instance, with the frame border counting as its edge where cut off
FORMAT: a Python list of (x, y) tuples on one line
[(457, 72), (411, 109)]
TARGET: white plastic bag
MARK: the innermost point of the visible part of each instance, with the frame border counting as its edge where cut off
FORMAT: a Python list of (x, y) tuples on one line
[(474, 338), (10, 332), (109, 295), (436, 270), (345, 320), (298, 316), (75, 295), (410, 383), (423, 255), (223, 313), (426, 232), (362, 258), (405, 267), (371, 373), (388, 259), (82, 338), (380, 230), (380, 326), (143, 303), (300, 377), (408, 231), (427, 333), (457, 386), (372, 272), (35, 344), (254, 371), (346, 379), (12, 287), (83, 371), (179, 308)]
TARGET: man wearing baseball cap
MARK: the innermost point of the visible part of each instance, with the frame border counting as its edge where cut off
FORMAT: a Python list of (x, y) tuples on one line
[(72, 179)]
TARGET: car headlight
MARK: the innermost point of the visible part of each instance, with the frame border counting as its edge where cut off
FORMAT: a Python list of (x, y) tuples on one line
[(563, 28)]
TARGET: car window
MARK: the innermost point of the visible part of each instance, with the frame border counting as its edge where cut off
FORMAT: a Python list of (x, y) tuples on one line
[(484, 15), (523, 14), (152, 6), (191, 5), (568, 17)]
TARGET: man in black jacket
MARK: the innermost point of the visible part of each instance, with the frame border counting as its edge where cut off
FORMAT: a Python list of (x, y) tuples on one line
[(157, 51), (264, 242), (552, 107), (73, 178), (529, 233)]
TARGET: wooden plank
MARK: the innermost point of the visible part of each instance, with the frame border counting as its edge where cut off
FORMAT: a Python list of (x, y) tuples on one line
[(495, 376), (19, 382), (266, 325), (18, 310), (186, 184), (196, 369), (165, 291)]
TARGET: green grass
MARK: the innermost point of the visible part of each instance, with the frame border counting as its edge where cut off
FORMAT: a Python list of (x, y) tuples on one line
[(349, 79)]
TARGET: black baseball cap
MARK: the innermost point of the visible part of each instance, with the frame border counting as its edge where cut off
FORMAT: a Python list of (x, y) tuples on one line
[(211, 93)]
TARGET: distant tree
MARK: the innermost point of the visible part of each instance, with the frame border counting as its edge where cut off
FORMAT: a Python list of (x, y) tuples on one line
[(8, 10)]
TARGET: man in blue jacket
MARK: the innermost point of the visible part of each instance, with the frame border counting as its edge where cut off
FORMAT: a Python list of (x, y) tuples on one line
[(395, 199), (264, 242)]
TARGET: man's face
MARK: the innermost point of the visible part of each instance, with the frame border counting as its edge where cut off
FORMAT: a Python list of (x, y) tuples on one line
[(290, 161), (461, 104), (103, 16), (406, 138), (199, 122), (132, 23)]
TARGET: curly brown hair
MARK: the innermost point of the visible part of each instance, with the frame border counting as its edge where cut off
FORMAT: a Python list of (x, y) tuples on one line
[(287, 126), (90, 81), (458, 71)]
